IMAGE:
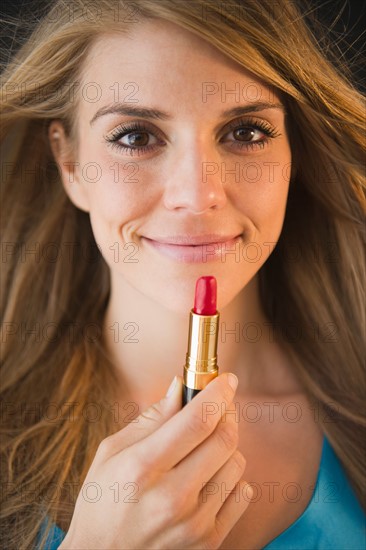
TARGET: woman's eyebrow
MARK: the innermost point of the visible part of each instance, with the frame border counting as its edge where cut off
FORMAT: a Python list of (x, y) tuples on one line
[(156, 114)]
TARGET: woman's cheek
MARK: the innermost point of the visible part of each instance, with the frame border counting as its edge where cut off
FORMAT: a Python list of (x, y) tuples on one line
[(111, 195), (263, 198)]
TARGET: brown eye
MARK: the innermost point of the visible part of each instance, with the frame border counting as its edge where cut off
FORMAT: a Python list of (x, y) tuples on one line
[(134, 138), (249, 134), (244, 134), (137, 139)]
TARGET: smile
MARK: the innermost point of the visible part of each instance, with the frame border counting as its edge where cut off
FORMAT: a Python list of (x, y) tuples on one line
[(203, 252)]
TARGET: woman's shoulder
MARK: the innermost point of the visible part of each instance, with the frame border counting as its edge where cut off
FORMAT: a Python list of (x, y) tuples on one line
[(293, 470), (333, 518)]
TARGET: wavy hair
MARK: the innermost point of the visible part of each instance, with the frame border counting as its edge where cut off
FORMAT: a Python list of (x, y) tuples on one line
[(54, 363)]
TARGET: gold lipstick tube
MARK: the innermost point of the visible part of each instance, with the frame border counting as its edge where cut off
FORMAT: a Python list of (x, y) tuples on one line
[(201, 358)]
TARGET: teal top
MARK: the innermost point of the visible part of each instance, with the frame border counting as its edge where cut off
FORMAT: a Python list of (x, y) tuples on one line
[(333, 519)]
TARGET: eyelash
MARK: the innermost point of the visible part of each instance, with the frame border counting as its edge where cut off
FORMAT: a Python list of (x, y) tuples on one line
[(137, 127)]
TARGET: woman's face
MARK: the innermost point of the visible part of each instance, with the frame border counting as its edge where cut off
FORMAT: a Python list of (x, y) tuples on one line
[(168, 193)]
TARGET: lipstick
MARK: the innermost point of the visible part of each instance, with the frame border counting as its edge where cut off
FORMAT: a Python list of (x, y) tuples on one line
[(201, 358)]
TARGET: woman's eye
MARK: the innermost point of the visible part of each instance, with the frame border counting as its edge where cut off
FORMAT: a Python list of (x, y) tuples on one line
[(247, 137), (136, 139), (246, 134), (133, 139), (250, 135)]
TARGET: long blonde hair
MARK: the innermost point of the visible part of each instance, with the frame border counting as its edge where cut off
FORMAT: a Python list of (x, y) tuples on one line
[(57, 380)]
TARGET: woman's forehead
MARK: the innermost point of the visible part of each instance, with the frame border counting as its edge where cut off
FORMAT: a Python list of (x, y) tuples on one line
[(156, 65)]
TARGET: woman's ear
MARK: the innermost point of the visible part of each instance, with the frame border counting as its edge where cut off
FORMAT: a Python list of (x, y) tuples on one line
[(68, 167)]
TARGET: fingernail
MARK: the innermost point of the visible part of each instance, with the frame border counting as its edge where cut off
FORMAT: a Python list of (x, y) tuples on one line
[(233, 381), (171, 387)]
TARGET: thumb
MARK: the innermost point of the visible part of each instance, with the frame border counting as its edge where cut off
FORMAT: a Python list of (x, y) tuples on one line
[(152, 418)]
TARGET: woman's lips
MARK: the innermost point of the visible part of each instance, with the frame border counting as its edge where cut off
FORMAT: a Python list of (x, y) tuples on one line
[(201, 253)]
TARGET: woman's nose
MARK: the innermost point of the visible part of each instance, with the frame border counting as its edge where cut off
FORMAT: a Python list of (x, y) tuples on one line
[(193, 179)]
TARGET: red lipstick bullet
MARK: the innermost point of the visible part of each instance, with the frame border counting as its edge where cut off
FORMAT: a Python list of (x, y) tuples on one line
[(205, 296)]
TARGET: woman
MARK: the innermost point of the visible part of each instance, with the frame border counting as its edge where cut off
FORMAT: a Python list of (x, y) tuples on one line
[(133, 132)]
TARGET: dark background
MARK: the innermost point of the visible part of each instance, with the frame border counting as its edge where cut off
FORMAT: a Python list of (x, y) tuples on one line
[(343, 19)]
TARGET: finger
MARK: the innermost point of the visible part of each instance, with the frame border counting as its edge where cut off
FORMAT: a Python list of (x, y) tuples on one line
[(214, 514), (232, 509), (182, 433), (220, 446), (219, 488)]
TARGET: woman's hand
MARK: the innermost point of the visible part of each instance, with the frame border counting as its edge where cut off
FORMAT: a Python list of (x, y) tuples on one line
[(164, 481)]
